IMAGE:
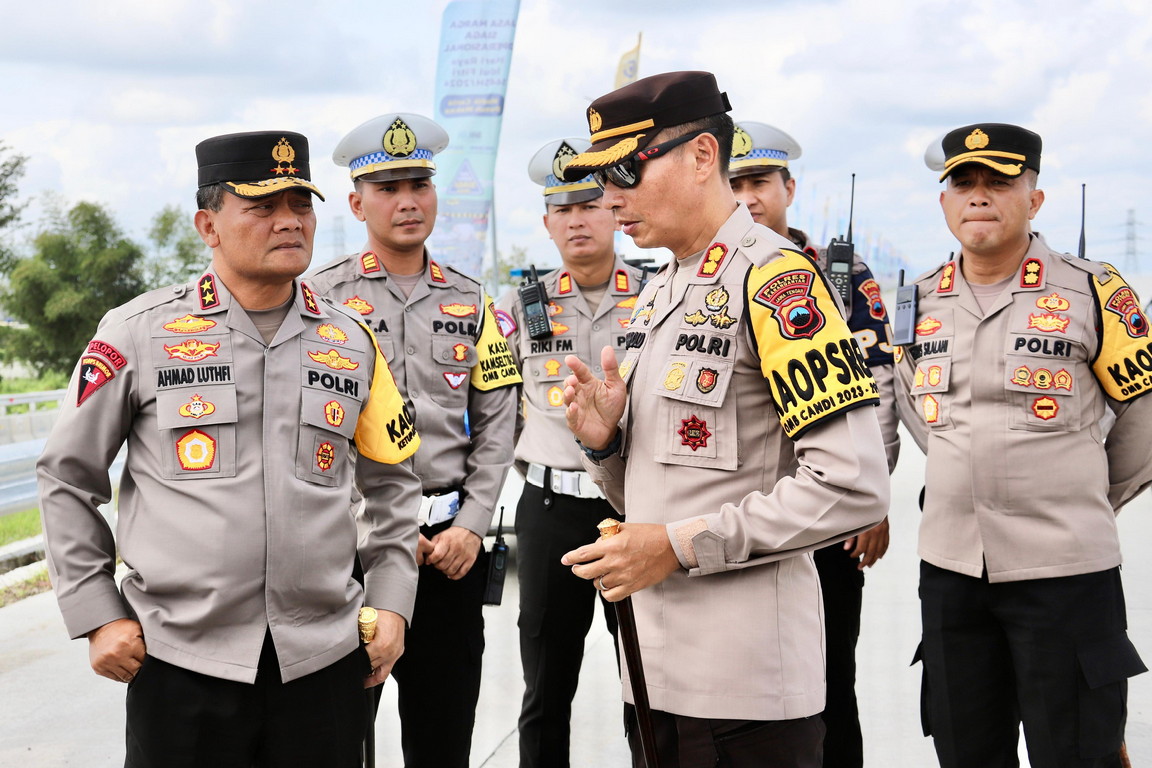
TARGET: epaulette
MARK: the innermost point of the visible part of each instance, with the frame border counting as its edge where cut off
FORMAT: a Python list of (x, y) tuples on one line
[(458, 273), (335, 263), (1101, 270), (932, 274), (145, 302), (760, 245)]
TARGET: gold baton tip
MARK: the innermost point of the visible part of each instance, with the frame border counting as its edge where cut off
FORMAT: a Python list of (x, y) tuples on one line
[(367, 624), (608, 527)]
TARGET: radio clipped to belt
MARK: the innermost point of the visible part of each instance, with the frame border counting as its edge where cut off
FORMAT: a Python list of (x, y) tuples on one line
[(497, 566)]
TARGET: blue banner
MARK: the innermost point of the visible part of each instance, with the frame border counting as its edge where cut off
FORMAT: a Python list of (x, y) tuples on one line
[(476, 39)]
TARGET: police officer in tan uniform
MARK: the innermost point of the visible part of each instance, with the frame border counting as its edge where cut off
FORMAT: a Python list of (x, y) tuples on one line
[(1018, 354), (761, 179), (591, 296), (739, 434), (240, 396), (437, 329)]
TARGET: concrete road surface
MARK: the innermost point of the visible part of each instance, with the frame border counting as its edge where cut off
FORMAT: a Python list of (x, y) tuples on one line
[(56, 712)]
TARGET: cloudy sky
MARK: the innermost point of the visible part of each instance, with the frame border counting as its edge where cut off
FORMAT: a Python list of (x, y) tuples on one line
[(108, 99)]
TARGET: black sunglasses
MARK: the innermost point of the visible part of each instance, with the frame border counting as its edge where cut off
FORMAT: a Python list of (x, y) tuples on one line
[(626, 174)]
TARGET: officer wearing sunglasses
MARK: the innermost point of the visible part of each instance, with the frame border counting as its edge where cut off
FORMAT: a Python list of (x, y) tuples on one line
[(738, 433)]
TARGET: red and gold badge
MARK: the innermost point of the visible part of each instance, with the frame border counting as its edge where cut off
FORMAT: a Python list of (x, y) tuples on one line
[(458, 310), (931, 409), (624, 322), (694, 432), (564, 285), (552, 367), (918, 378), (325, 456), (935, 372), (357, 304), (459, 352), (455, 378), (334, 360), (712, 260), (1049, 323), (196, 451), (558, 328), (197, 408), (309, 299), (1045, 408), (369, 262), (928, 326), (332, 334), (554, 309), (1042, 378), (1062, 380), (189, 324), (1022, 376), (192, 350), (1124, 303), (871, 290), (334, 413), (1053, 302), (555, 397), (789, 298), (706, 379), (436, 273), (628, 303)]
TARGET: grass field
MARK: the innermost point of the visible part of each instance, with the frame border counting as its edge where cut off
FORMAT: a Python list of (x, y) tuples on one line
[(19, 525)]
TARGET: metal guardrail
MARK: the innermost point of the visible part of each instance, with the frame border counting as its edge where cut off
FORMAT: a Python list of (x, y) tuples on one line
[(28, 416), (18, 474)]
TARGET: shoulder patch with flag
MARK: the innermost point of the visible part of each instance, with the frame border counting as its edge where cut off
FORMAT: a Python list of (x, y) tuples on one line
[(813, 365)]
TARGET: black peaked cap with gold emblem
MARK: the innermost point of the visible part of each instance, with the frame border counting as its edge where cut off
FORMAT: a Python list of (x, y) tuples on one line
[(255, 164), (1006, 149), (626, 120)]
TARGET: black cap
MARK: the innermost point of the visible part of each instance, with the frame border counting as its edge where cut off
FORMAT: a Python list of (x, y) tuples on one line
[(626, 120), (1006, 149), (255, 164)]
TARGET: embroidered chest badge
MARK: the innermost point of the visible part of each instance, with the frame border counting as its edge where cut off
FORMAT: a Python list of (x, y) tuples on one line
[(694, 432), (197, 408)]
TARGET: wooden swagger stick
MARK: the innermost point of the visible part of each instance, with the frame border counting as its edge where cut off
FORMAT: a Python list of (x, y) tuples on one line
[(626, 620)]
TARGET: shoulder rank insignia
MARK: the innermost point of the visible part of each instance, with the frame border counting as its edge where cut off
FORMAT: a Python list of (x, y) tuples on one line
[(947, 282), (206, 288), (436, 273), (309, 299), (622, 282), (564, 285), (1031, 273), (369, 262), (713, 258)]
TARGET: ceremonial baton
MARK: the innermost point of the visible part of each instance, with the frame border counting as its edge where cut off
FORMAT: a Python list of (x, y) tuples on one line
[(626, 619), (366, 623)]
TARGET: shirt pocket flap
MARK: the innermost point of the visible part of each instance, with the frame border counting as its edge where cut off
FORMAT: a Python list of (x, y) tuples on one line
[(932, 375), (454, 351), (692, 380), (329, 412), (189, 406)]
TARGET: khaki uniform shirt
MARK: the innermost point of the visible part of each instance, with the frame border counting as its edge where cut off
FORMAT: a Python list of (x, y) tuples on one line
[(1009, 405), (743, 435), (451, 361), (544, 437), (233, 506)]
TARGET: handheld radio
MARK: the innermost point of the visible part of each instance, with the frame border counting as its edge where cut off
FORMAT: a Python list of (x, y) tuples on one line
[(904, 319), (497, 566), (839, 259), (534, 299)]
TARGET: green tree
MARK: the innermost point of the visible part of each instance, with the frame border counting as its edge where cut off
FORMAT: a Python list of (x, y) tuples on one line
[(177, 252), (497, 277), (12, 168), (81, 266)]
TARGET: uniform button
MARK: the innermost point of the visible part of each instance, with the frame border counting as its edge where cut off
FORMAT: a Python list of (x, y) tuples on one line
[(748, 242), (408, 309), (595, 327), (597, 369), (411, 350), (536, 373), (414, 394)]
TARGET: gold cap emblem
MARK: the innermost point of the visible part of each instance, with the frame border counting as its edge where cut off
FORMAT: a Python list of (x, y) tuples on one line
[(399, 141), (741, 143), (594, 120), (976, 140), (564, 155), (284, 155)]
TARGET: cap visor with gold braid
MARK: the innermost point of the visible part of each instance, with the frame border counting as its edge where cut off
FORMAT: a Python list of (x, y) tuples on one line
[(255, 164), (1006, 149), (626, 120)]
